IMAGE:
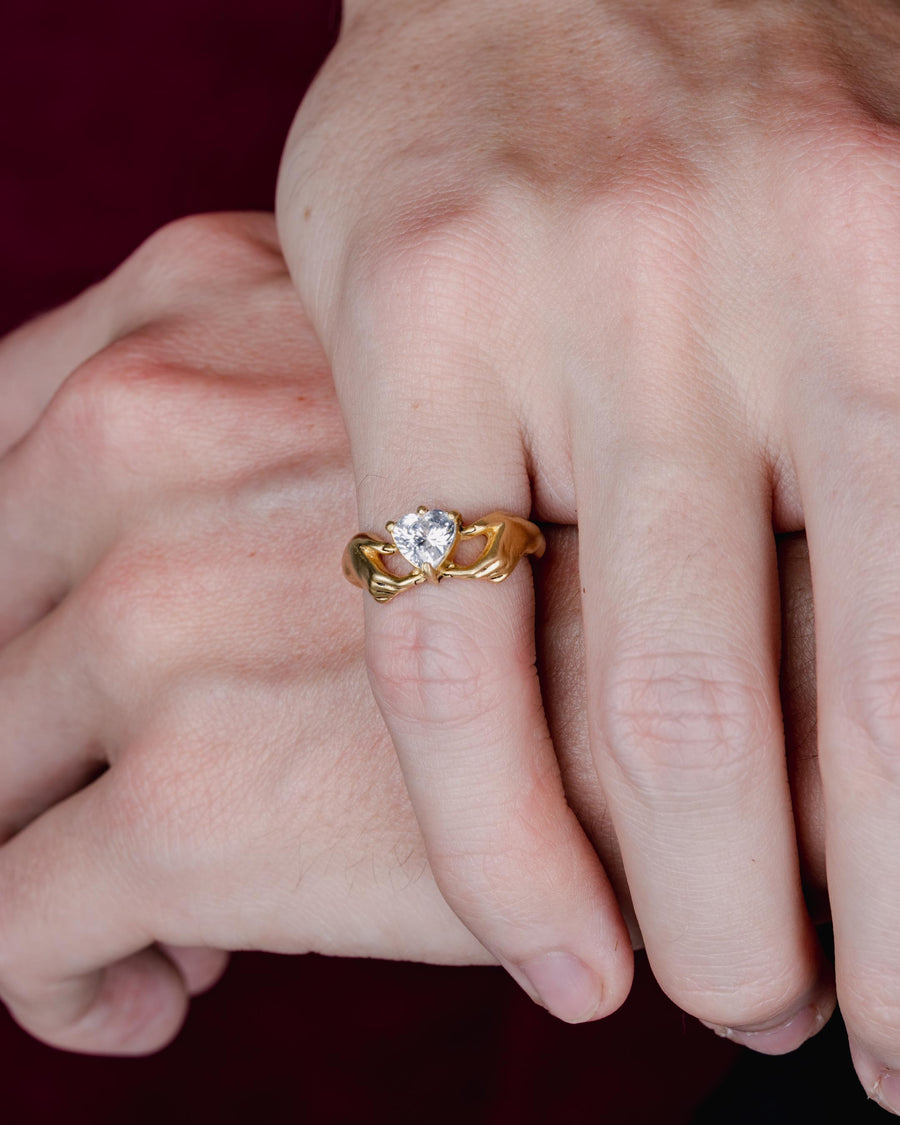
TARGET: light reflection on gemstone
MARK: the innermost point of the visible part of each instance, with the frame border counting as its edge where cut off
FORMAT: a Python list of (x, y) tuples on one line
[(425, 538)]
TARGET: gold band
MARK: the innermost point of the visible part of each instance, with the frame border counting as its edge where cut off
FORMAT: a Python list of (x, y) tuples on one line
[(427, 540)]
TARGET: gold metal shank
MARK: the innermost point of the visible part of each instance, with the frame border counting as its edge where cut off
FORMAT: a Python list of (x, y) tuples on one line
[(508, 539)]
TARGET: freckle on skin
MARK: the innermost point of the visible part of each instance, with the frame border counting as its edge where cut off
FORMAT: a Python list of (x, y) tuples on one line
[(307, 211)]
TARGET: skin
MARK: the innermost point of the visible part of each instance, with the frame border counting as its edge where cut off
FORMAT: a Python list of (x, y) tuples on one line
[(636, 265), (173, 616)]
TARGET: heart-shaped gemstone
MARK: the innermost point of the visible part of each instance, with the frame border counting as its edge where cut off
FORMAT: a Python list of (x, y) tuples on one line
[(425, 538)]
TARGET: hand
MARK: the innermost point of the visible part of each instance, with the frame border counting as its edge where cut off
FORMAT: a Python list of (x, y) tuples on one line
[(172, 620), (638, 263), (171, 615)]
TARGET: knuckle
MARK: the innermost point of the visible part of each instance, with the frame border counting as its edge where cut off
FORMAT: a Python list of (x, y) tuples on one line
[(160, 814), (180, 264), (433, 262), (850, 173), (179, 818), (872, 706), (192, 248), (518, 852), (114, 407), (490, 889), (648, 237), (185, 236), (669, 716), (507, 879), (648, 222), (435, 670), (139, 607)]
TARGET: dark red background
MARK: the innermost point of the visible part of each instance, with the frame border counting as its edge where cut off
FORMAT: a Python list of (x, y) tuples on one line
[(116, 118)]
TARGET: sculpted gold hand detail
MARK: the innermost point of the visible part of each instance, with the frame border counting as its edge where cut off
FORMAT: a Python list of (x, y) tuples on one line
[(363, 567), (509, 538), (427, 538)]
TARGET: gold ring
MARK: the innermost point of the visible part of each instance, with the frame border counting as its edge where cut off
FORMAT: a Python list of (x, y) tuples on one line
[(427, 538)]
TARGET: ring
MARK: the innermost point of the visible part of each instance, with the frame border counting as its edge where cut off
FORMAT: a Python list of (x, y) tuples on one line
[(427, 538)]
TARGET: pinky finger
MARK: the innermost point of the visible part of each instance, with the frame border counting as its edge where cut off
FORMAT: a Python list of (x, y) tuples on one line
[(132, 1007), (75, 967)]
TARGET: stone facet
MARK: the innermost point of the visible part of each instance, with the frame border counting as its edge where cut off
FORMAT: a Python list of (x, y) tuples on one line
[(425, 539)]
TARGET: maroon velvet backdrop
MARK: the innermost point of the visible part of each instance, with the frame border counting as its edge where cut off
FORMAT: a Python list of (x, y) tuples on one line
[(116, 118)]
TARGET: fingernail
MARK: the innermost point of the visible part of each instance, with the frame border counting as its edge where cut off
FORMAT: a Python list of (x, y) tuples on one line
[(880, 1082), (886, 1091), (778, 1040), (564, 985)]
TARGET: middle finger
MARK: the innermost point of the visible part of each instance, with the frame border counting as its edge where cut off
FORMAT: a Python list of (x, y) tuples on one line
[(681, 632)]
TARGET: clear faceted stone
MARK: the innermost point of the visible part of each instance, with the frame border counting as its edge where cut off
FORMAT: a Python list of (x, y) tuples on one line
[(426, 538)]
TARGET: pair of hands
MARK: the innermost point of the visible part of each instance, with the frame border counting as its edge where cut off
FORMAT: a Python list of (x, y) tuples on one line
[(634, 264), (168, 611)]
